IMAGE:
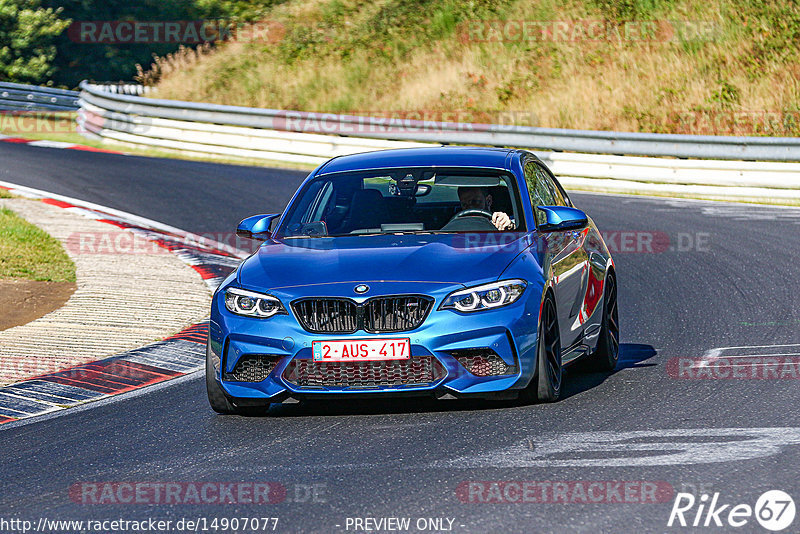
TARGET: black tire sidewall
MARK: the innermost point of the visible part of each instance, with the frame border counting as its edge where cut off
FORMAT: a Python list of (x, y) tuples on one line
[(216, 395), (603, 357), (544, 388)]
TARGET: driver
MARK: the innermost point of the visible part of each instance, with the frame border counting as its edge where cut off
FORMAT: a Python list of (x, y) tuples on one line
[(478, 198)]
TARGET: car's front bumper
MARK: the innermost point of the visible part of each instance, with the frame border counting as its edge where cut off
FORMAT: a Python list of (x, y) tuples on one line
[(510, 332)]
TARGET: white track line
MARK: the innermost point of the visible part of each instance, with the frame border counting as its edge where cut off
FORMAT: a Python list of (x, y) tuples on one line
[(715, 358)]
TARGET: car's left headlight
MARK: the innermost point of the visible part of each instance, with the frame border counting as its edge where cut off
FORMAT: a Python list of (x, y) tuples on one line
[(251, 304), (485, 297)]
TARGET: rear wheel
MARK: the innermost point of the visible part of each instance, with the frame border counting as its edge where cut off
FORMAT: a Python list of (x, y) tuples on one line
[(546, 383), (606, 355)]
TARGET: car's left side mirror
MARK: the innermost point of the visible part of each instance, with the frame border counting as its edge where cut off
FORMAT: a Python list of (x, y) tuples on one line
[(256, 227), (559, 218)]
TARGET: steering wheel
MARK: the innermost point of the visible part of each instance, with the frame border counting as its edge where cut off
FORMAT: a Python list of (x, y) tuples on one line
[(472, 213), (471, 220)]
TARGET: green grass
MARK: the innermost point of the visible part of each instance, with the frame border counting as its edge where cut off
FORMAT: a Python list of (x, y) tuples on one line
[(50, 126), (29, 252), (5, 194)]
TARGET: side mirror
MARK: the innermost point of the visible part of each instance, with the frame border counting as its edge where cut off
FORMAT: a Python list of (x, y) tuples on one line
[(256, 227), (559, 218)]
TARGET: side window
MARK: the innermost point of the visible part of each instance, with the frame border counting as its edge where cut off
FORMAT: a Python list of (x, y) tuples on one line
[(562, 194), (557, 194), (540, 193), (317, 209)]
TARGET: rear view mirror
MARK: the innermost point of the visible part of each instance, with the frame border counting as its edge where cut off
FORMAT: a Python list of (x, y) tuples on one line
[(422, 190), (256, 227), (559, 218)]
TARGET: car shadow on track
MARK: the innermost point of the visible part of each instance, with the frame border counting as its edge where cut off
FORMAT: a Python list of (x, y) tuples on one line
[(386, 406), (581, 377), (578, 380)]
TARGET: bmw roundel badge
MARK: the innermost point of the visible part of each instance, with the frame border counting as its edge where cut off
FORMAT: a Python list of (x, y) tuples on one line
[(361, 288)]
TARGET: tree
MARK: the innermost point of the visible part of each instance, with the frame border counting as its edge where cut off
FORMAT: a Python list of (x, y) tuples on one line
[(27, 40), (77, 60)]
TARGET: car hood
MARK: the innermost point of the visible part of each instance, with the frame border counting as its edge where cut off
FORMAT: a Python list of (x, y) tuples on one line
[(429, 258)]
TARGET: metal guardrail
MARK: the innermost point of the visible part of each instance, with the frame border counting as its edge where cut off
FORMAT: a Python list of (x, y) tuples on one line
[(19, 97), (303, 137), (597, 142), (121, 88)]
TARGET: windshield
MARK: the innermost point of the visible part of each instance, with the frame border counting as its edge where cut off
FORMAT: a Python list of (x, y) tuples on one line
[(408, 200)]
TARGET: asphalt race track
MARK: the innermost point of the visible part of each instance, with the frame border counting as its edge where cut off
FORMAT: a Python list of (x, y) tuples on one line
[(693, 277)]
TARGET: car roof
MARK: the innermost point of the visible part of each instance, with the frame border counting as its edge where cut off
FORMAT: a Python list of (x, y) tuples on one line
[(440, 156)]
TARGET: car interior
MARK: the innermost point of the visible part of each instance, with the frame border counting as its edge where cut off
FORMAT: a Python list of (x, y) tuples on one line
[(396, 202)]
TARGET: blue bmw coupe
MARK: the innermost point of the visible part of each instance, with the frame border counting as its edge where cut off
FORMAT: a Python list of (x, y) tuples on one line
[(447, 272)]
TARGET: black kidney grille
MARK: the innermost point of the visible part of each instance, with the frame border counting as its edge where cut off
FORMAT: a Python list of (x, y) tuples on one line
[(379, 314), (417, 371), (330, 316), (395, 314)]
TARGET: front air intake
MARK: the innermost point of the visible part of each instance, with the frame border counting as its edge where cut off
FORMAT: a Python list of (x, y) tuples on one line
[(483, 362), (253, 368), (416, 371)]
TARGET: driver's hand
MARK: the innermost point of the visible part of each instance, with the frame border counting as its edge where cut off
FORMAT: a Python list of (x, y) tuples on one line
[(501, 221)]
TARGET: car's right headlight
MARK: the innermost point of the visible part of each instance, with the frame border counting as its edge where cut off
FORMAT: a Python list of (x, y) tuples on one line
[(252, 304), (485, 297)]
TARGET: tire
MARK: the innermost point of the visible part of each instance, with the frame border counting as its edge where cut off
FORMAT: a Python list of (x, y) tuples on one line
[(606, 355), (216, 395), (546, 383)]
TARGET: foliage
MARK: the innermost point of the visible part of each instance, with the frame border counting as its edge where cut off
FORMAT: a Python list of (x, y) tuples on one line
[(27, 40)]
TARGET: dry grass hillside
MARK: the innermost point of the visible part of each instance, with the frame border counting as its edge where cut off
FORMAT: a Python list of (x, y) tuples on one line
[(682, 66)]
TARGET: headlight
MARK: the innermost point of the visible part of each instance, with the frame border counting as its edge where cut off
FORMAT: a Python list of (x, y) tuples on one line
[(243, 302), (485, 297)]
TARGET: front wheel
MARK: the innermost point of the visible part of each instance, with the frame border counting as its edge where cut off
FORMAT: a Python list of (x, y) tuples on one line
[(216, 395), (606, 355), (546, 383)]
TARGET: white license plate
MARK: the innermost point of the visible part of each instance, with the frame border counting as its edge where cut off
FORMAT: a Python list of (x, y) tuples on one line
[(360, 350)]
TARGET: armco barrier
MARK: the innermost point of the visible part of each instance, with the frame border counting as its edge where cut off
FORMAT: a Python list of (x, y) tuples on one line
[(304, 137), (18, 97)]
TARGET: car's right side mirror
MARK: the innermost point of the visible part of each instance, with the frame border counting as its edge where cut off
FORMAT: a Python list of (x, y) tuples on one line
[(256, 227), (558, 218)]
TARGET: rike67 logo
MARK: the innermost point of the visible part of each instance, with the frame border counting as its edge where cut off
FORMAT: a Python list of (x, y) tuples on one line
[(774, 510)]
